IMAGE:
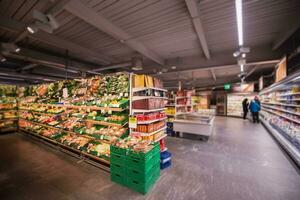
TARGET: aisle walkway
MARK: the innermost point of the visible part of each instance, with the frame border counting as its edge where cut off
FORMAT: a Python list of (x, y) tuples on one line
[(240, 161)]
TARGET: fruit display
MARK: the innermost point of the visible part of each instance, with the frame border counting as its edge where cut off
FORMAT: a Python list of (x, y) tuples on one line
[(8, 108)]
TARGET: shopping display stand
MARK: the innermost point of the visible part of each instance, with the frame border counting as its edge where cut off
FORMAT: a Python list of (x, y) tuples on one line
[(280, 113), (8, 109)]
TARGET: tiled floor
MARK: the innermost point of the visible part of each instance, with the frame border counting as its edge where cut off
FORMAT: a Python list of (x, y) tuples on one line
[(240, 161)]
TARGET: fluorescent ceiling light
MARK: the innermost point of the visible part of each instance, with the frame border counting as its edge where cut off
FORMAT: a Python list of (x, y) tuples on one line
[(33, 28), (17, 50), (10, 47), (236, 54), (242, 68), (239, 17), (3, 59)]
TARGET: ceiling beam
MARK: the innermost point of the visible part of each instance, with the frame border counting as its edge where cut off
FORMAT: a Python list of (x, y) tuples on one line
[(213, 74), (79, 9), (193, 8), (286, 34), (9, 73), (251, 71), (53, 40), (113, 66)]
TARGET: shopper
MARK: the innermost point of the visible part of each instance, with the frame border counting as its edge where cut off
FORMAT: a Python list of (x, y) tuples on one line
[(254, 109), (245, 107)]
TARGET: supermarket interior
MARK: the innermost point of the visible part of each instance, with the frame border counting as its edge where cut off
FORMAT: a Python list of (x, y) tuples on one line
[(150, 99)]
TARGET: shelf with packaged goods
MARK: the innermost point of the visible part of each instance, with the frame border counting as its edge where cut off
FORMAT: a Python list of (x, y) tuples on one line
[(147, 111), (147, 88), (160, 138), (79, 107), (170, 105), (104, 123), (287, 145), (283, 110), (65, 146), (148, 134), (134, 98), (287, 99), (151, 121), (288, 94), (183, 97), (283, 116), (281, 104), (63, 130)]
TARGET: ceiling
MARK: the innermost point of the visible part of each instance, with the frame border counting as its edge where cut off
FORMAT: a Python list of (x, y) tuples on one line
[(176, 41)]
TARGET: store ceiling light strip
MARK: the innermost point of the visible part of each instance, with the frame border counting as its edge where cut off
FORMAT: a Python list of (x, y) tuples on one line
[(239, 16)]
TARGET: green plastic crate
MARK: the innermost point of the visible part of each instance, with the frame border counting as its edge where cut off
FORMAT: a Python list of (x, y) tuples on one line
[(116, 168), (118, 150), (141, 164), (118, 178), (144, 176), (141, 186), (118, 159)]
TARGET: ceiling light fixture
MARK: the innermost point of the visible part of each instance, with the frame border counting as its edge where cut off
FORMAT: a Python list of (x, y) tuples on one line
[(243, 55), (173, 67), (32, 28), (2, 58), (242, 68), (236, 54), (137, 63), (239, 16), (10, 47)]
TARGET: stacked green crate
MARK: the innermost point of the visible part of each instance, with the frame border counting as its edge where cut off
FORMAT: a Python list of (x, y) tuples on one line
[(136, 170)]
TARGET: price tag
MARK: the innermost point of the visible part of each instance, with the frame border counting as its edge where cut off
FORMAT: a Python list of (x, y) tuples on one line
[(65, 93), (132, 122)]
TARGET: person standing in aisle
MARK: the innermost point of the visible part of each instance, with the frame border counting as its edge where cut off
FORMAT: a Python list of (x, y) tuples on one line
[(254, 109), (245, 107)]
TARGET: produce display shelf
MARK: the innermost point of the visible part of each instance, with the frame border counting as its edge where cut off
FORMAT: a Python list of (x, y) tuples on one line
[(283, 110), (67, 147), (148, 134), (8, 129), (8, 103), (105, 123), (146, 88), (289, 94), (134, 98), (290, 148), (146, 111), (160, 138), (282, 104), (80, 107), (8, 110), (87, 120), (9, 119), (151, 121), (62, 130), (280, 115)]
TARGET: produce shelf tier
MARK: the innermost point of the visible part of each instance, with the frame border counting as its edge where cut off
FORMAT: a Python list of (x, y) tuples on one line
[(67, 147), (283, 110), (63, 130), (81, 107)]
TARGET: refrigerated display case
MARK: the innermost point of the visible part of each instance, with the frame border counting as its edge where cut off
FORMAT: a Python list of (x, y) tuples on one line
[(281, 113)]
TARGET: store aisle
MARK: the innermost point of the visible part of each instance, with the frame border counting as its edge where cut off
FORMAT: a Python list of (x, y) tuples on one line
[(240, 161)]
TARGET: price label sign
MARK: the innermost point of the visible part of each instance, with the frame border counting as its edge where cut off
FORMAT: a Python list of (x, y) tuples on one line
[(132, 122), (65, 93)]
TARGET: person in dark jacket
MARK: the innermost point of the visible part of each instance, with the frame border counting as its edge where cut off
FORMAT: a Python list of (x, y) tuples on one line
[(254, 109), (245, 107)]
